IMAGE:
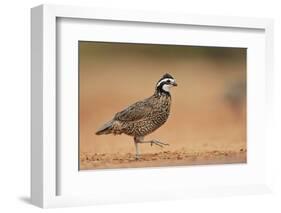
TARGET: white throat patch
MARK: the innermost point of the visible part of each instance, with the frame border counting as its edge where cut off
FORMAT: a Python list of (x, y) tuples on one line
[(166, 87)]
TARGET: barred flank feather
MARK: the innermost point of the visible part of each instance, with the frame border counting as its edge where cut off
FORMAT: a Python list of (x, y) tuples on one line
[(105, 129)]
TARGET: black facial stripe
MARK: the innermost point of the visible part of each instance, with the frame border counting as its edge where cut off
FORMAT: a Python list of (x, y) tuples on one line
[(160, 88), (162, 84), (167, 81)]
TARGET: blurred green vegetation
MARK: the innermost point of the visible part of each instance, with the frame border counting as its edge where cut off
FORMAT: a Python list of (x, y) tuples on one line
[(116, 50)]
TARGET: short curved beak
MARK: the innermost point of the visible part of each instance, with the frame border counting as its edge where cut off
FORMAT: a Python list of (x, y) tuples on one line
[(174, 84)]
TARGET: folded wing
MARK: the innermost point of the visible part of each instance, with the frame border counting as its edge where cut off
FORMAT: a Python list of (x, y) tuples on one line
[(138, 111)]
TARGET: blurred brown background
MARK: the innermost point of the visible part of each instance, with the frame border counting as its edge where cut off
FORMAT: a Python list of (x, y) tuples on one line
[(208, 106)]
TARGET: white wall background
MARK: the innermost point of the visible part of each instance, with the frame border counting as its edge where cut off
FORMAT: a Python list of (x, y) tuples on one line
[(15, 103)]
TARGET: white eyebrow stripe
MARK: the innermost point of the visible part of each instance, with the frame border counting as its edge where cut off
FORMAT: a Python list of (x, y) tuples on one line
[(165, 79)]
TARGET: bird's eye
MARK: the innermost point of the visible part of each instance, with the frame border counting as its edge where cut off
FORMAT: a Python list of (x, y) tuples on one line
[(168, 81)]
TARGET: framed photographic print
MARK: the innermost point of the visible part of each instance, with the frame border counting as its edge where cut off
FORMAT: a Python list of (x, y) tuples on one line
[(204, 122), (149, 106)]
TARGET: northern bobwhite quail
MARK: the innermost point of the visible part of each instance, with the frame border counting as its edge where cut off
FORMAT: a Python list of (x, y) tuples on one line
[(143, 117)]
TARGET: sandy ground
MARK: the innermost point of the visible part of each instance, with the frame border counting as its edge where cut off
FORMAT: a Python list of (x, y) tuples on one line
[(164, 158), (203, 127)]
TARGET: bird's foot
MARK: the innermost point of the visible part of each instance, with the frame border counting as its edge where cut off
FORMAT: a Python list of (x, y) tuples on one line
[(137, 157), (158, 143)]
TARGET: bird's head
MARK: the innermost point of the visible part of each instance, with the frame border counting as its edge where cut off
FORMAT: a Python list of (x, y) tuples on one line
[(165, 83)]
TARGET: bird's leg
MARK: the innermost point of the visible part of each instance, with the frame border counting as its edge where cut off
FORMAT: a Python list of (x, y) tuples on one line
[(158, 143), (136, 140)]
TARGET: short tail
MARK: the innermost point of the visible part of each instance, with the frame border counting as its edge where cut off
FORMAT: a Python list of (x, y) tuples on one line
[(105, 129)]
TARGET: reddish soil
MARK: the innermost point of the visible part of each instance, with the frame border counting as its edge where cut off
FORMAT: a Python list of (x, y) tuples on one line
[(165, 158)]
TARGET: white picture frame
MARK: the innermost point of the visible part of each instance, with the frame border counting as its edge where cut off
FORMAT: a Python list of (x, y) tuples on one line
[(46, 161)]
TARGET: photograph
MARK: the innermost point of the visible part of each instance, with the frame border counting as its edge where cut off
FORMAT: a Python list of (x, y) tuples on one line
[(160, 105)]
